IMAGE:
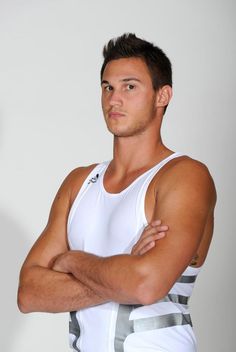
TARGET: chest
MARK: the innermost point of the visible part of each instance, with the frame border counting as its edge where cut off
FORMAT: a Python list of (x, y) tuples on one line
[(105, 224)]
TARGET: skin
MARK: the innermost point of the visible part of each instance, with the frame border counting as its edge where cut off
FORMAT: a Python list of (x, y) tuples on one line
[(182, 194), (43, 289)]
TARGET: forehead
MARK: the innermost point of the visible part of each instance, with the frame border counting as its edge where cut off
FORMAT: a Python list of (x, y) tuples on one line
[(126, 67)]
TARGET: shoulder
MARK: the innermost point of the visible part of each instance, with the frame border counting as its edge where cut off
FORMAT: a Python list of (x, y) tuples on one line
[(188, 175), (185, 168), (79, 173), (73, 182), (183, 164)]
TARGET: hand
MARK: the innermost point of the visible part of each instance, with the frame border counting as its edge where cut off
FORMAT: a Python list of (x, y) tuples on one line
[(153, 232), (60, 263)]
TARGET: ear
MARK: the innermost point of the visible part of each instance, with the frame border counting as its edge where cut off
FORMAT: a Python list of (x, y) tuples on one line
[(164, 95)]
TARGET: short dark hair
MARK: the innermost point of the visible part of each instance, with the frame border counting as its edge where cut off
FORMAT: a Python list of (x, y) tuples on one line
[(128, 45)]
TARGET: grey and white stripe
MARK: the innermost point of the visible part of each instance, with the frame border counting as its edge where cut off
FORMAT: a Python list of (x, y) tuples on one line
[(74, 329), (125, 325)]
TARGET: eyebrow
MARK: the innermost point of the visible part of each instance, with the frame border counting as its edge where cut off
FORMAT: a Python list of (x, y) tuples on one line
[(123, 80)]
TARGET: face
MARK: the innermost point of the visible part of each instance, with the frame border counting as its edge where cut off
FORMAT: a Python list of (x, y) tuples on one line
[(128, 97)]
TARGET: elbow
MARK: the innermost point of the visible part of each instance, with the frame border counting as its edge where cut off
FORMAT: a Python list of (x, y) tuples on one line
[(151, 288), (26, 292), (147, 294), (23, 301)]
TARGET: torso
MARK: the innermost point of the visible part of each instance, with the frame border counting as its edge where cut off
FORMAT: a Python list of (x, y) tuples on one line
[(108, 316), (113, 186)]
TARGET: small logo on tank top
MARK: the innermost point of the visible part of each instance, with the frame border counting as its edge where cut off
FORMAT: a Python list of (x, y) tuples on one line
[(93, 179)]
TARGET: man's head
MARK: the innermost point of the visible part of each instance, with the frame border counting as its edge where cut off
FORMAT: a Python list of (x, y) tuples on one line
[(128, 45), (136, 86)]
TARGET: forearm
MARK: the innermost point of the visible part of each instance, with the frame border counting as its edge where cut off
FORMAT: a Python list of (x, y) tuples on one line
[(45, 290), (117, 278)]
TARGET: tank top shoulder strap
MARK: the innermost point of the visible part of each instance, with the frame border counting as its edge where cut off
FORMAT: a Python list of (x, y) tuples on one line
[(161, 164), (146, 182), (89, 180)]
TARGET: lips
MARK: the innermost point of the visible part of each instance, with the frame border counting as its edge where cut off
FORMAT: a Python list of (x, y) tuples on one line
[(115, 114)]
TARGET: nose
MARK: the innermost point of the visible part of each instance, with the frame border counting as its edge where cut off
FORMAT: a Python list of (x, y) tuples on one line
[(115, 98)]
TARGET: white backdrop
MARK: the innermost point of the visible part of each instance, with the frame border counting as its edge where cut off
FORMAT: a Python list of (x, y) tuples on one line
[(51, 122)]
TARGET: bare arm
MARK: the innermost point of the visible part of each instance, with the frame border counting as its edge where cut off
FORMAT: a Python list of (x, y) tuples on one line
[(40, 287), (185, 201), (45, 290)]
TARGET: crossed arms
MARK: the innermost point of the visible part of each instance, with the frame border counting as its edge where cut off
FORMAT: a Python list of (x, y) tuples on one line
[(54, 279)]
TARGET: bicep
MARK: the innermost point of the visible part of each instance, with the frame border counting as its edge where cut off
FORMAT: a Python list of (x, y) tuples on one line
[(185, 206), (53, 239)]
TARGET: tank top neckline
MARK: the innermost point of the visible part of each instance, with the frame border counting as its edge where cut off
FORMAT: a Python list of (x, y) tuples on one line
[(109, 194)]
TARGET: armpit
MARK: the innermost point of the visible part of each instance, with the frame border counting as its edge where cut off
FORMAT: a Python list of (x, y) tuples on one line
[(194, 260)]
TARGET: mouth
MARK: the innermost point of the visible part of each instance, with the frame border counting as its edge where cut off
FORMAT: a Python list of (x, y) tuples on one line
[(115, 114)]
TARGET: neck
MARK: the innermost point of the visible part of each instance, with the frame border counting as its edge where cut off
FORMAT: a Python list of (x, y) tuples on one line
[(138, 152)]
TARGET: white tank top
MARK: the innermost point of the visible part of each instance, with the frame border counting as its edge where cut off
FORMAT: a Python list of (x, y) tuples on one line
[(106, 224)]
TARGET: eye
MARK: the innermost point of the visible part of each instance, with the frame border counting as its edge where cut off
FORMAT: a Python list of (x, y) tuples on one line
[(130, 86), (108, 88)]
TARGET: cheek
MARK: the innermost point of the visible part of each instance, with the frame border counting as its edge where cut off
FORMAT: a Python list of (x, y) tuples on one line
[(143, 103), (103, 102)]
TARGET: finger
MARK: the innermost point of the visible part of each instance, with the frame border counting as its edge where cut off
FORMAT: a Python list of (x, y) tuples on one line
[(155, 222), (152, 230), (146, 232), (148, 227), (162, 228), (145, 241), (154, 238), (151, 225), (149, 231), (147, 248), (160, 235)]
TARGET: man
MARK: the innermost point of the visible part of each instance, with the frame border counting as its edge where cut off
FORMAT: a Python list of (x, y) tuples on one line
[(98, 256)]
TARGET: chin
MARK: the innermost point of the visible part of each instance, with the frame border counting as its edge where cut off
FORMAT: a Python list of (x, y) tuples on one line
[(126, 133)]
